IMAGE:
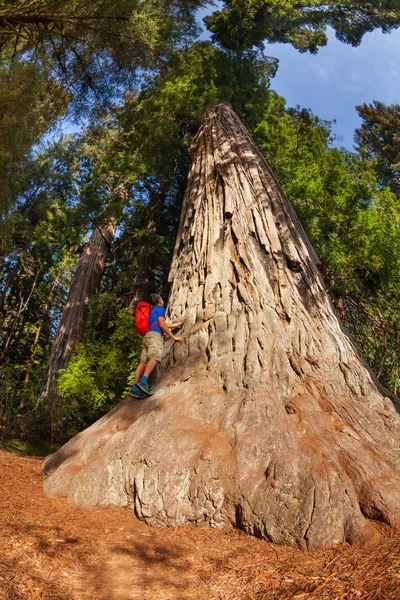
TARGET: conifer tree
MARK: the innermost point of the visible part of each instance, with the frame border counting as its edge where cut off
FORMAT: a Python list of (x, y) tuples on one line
[(95, 48), (242, 24), (379, 138), (84, 285)]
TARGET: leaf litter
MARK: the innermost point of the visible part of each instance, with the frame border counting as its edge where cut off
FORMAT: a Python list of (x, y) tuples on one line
[(50, 550)]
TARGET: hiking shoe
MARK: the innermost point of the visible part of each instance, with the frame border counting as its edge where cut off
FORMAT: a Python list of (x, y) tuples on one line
[(137, 394), (145, 388)]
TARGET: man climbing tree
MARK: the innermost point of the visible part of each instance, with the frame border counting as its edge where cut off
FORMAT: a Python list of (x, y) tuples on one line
[(280, 427), (153, 346)]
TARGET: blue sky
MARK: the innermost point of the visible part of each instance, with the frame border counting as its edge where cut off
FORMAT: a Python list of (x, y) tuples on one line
[(338, 78)]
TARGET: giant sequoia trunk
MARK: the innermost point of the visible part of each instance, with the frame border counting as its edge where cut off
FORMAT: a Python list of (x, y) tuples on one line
[(266, 417), (84, 285)]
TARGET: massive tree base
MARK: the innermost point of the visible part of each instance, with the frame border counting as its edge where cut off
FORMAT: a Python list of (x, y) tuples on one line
[(266, 418)]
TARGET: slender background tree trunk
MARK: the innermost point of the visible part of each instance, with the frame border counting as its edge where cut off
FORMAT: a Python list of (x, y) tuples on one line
[(266, 417), (84, 286)]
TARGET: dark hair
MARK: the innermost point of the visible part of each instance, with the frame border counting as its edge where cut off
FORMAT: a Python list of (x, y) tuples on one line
[(155, 299)]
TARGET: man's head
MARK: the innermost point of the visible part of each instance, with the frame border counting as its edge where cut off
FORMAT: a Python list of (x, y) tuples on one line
[(156, 300)]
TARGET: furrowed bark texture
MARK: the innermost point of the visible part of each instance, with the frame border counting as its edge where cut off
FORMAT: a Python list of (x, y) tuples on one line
[(84, 285), (266, 417)]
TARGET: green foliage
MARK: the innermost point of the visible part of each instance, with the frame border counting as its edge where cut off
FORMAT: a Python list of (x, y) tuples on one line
[(242, 24), (101, 371), (39, 235), (25, 448), (30, 103), (351, 220), (379, 139), (160, 120), (95, 48)]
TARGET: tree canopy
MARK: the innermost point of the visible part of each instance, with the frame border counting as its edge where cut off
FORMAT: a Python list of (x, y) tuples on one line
[(95, 48), (245, 23), (379, 139)]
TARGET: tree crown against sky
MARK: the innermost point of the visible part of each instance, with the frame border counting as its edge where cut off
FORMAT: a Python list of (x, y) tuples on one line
[(59, 56), (245, 23), (96, 48)]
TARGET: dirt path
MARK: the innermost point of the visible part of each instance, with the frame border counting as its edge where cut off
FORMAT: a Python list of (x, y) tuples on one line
[(52, 551)]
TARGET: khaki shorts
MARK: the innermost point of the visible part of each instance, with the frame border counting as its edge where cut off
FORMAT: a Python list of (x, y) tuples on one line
[(152, 347)]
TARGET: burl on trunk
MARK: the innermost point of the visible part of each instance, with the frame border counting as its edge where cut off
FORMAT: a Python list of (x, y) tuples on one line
[(266, 417)]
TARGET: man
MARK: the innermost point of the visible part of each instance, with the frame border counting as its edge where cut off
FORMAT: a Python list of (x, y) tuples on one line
[(153, 346)]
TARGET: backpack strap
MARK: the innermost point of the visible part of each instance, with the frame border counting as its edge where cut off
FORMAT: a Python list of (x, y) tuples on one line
[(155, 322)]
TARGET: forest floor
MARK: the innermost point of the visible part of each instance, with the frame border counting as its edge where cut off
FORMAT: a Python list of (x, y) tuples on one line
[(52, 551)]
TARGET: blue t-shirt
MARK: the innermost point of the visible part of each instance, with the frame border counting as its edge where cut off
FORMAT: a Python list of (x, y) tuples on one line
[(155, 312)]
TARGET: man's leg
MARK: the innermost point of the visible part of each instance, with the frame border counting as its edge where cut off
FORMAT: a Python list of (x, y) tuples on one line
[(149, 368), (139, 371), (135, 391), (154, 354), (143, 383)]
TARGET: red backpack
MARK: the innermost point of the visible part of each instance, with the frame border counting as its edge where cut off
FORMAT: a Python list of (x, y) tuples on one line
[(142, 316)]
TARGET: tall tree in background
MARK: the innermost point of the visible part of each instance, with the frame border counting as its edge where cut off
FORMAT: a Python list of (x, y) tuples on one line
[(42, 229), (245, 23), (279, 426), (379, 138), (30, 103), (95, 48), (104, 188), (84, 285)]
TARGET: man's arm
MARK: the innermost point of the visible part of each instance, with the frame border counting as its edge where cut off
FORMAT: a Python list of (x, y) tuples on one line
[(177, 324), (166, 329)]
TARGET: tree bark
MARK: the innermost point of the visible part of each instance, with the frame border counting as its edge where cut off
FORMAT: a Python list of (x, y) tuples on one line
[(266, 417)]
